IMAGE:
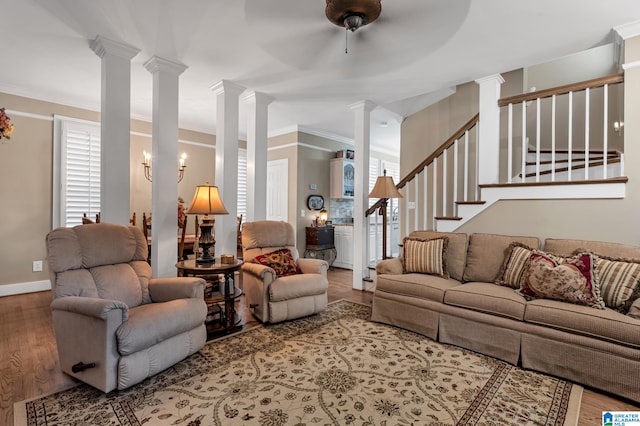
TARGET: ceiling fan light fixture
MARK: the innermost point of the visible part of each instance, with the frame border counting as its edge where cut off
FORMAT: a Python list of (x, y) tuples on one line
[(353, 22), (353, 14)]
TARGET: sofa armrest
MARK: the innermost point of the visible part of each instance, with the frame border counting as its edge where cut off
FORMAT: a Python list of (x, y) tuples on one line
[(313, 266), (389, 266), (90, 306), (165, 289), (260, 272)]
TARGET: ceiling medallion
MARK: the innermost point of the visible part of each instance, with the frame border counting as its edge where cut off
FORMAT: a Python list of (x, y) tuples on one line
[(353, 14)]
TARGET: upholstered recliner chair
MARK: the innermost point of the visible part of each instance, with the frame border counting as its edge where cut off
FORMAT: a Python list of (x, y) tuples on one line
[(272, 298), (114, 324)]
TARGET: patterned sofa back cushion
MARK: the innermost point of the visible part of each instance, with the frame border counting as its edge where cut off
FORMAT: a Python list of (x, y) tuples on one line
[(487, 252), (101, 260), (456, 249)]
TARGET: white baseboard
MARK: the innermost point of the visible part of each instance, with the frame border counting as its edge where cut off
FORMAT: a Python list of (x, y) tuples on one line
[(22, 288)]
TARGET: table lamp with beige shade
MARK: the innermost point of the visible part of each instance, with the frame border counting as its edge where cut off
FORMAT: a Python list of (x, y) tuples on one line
[(206, 201)]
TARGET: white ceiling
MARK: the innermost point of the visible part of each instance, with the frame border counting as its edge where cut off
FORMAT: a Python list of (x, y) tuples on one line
[(412, 55)]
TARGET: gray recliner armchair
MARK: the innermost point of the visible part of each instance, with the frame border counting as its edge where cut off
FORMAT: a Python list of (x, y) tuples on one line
[(272, 298), (114, 324)]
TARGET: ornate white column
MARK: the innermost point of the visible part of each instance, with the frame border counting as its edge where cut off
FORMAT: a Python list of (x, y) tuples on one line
[(227, 119), (115, 116), (361, 180), (489, 129), (257, 126), (164, 165)]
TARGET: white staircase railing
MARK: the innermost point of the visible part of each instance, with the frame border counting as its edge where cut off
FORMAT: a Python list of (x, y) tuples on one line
[(554, 121), (574, 144)]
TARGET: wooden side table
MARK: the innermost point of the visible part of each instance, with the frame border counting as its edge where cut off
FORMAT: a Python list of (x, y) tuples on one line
[(227, 294)]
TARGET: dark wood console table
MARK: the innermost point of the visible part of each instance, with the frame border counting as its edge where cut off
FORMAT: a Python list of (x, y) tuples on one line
[(320, 243)]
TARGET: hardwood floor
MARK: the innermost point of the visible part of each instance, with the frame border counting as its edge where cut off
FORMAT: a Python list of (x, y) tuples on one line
[(29, 359)]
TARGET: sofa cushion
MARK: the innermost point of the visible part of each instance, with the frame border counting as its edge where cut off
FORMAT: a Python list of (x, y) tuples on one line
[(456, 249), (280, 261), (604, 324), (516, 264), (619, 282), (486, 255), (422, 286), (155, 322), (563, 247), (568, 279), (425, 256), (489, 298)]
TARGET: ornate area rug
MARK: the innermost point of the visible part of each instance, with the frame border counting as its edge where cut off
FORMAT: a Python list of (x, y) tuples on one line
[(336, 368)]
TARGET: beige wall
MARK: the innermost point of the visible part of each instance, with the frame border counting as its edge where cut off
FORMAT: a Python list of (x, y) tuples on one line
[(426, 130), (26, 162), (606, 220)]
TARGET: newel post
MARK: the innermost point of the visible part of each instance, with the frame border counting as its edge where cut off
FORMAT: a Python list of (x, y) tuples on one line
[(489, 129)]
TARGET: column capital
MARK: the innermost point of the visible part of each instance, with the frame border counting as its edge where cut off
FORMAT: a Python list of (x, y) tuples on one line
[(497, 78), (257, 98), (226, 86), (102, 46), (365, 104), (628, 30), (158, 64)]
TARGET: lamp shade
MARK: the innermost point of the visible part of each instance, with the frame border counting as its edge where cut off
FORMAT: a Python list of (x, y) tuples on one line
[(207, 200), (385, 188)]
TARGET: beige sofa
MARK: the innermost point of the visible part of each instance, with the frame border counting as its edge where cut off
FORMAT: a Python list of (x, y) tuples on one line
[(595, 347)]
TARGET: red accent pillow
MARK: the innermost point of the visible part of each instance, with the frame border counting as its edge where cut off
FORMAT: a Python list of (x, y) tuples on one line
[(281, 261), (571, 280)]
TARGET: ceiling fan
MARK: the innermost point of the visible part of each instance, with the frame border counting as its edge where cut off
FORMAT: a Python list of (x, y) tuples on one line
[(353, 14), (296, 33)]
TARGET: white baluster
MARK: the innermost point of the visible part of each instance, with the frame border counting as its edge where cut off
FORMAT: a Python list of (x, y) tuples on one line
[(435, 191), (425, 198), (416, 223), (444, 183), (586, 134), (466, 165), (570, 136), (553, 138), (405, 195), (605, 134), (523, 166), (454, 198), (510, 144), (538, 140)]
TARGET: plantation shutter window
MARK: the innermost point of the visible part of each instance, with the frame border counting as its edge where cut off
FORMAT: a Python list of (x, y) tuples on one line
[(77, 149)]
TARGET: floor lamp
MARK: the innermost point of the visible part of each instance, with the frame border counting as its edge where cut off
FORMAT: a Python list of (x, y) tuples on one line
[(206, 201), (384, 189)]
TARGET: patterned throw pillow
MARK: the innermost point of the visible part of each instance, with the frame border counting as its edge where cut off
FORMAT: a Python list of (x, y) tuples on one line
[(425, 256), (619, 282), (515, 266), (570, 280), (281, 261)]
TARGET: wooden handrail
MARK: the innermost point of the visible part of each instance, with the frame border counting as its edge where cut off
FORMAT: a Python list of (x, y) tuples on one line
[(562, 90), (447, 144), (457, 135)]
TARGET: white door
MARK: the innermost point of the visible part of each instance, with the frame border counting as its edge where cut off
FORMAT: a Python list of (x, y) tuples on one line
[(277, 189)]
